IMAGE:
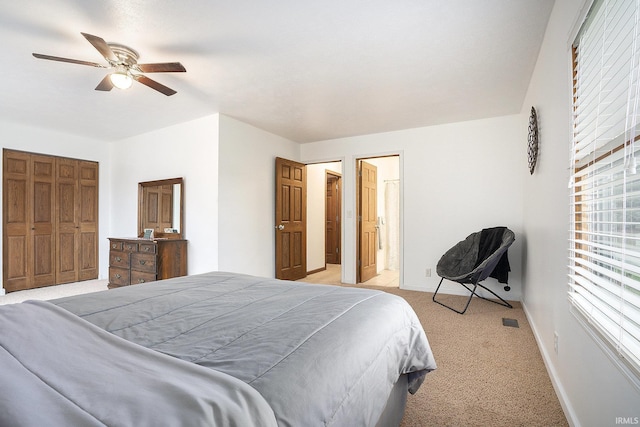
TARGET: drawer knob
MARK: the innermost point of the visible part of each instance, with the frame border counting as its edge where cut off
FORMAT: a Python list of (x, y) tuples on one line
[(118, 276), (140, 280), (142, 262), (118, 259), (147, 249), (114, 246)]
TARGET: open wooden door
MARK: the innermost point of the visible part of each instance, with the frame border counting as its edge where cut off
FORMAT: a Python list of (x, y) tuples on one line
[(333, 202), (367, 221), (291, 219)]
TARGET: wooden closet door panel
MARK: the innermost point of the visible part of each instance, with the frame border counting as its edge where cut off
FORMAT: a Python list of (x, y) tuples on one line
[(50, 220), (16, 223), (88, 220), (67, 221), (43, 221)]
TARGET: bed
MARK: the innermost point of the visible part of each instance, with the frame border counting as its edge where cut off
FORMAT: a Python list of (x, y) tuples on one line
[(212, 349)]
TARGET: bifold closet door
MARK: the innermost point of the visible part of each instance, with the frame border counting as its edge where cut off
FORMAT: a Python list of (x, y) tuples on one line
[(28, 209), (50, 220), (76, 220), (67, 221), (88, 220)]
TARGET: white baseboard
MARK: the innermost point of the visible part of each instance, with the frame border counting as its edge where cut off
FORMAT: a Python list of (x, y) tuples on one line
[(557, 386)]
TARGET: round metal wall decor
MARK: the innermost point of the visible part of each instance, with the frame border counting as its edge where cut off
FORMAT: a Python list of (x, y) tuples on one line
[(532, 150)]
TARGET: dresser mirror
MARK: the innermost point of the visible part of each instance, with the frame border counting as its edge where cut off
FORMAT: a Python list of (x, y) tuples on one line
[(160, 208)]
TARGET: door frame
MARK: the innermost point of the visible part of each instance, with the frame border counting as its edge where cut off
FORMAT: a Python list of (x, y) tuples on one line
[(356, 242), (322, 226)]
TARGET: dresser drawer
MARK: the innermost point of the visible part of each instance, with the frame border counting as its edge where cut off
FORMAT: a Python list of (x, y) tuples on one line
[(147, 248), (138, 277), (130, 246), (143, 262), (116, 245), (118, 276), (118, 259)]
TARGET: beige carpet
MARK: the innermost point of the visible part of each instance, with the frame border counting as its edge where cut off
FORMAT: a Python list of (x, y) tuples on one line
[(488, 374)]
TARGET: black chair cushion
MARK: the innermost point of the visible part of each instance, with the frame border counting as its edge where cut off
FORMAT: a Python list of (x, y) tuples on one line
[(480, 255)]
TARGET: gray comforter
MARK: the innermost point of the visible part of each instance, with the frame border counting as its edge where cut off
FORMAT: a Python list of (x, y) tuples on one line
[(57, 370), (318, 354)]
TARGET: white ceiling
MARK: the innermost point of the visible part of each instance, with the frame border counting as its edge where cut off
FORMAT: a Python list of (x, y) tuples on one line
[(305, 70)]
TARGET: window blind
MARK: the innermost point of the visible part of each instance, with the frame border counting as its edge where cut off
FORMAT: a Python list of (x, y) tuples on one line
[(604, 238)]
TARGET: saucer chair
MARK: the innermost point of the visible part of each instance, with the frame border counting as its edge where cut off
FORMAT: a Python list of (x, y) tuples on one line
[(482, 254)]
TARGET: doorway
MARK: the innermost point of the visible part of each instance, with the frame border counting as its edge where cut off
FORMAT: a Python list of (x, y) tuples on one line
[(378, 233), (324, 221), (333, 218)]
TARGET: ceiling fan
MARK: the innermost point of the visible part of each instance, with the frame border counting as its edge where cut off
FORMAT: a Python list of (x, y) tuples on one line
[(124, 61)]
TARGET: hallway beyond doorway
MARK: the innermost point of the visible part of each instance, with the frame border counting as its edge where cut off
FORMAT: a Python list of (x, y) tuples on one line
[(331, 276)]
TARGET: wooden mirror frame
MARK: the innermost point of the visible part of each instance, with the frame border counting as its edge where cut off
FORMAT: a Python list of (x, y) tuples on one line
[(142, 208)]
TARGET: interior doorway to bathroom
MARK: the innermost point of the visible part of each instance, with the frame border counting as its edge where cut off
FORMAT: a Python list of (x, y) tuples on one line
[(378, 213)]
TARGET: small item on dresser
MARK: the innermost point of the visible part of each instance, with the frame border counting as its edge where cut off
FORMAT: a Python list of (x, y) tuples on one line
[(148, 233)]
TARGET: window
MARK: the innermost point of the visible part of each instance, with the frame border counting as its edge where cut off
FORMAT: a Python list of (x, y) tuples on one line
[(604, 253)]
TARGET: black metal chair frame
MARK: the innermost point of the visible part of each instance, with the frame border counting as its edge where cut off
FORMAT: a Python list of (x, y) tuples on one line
[(476, 276)]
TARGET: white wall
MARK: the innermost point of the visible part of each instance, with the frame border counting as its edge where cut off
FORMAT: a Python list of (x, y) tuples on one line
[(35, 140), (188, 150), (246, 205), (316, 212), (455, 179), (592, 389), (229, 208)]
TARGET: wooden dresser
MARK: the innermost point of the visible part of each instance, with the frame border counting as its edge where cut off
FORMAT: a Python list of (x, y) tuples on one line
[(133, 261)]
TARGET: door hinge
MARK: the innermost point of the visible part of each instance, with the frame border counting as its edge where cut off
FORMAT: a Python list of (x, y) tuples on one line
[(337, 251)]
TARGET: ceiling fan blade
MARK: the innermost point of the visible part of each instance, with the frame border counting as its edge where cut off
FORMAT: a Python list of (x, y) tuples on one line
[(163, 67), (105, 84), (154, 85), (71, 61), (101, 46)]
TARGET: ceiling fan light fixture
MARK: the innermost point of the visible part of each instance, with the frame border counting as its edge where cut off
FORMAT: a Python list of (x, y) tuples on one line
[(121, 79), (124, 62)]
